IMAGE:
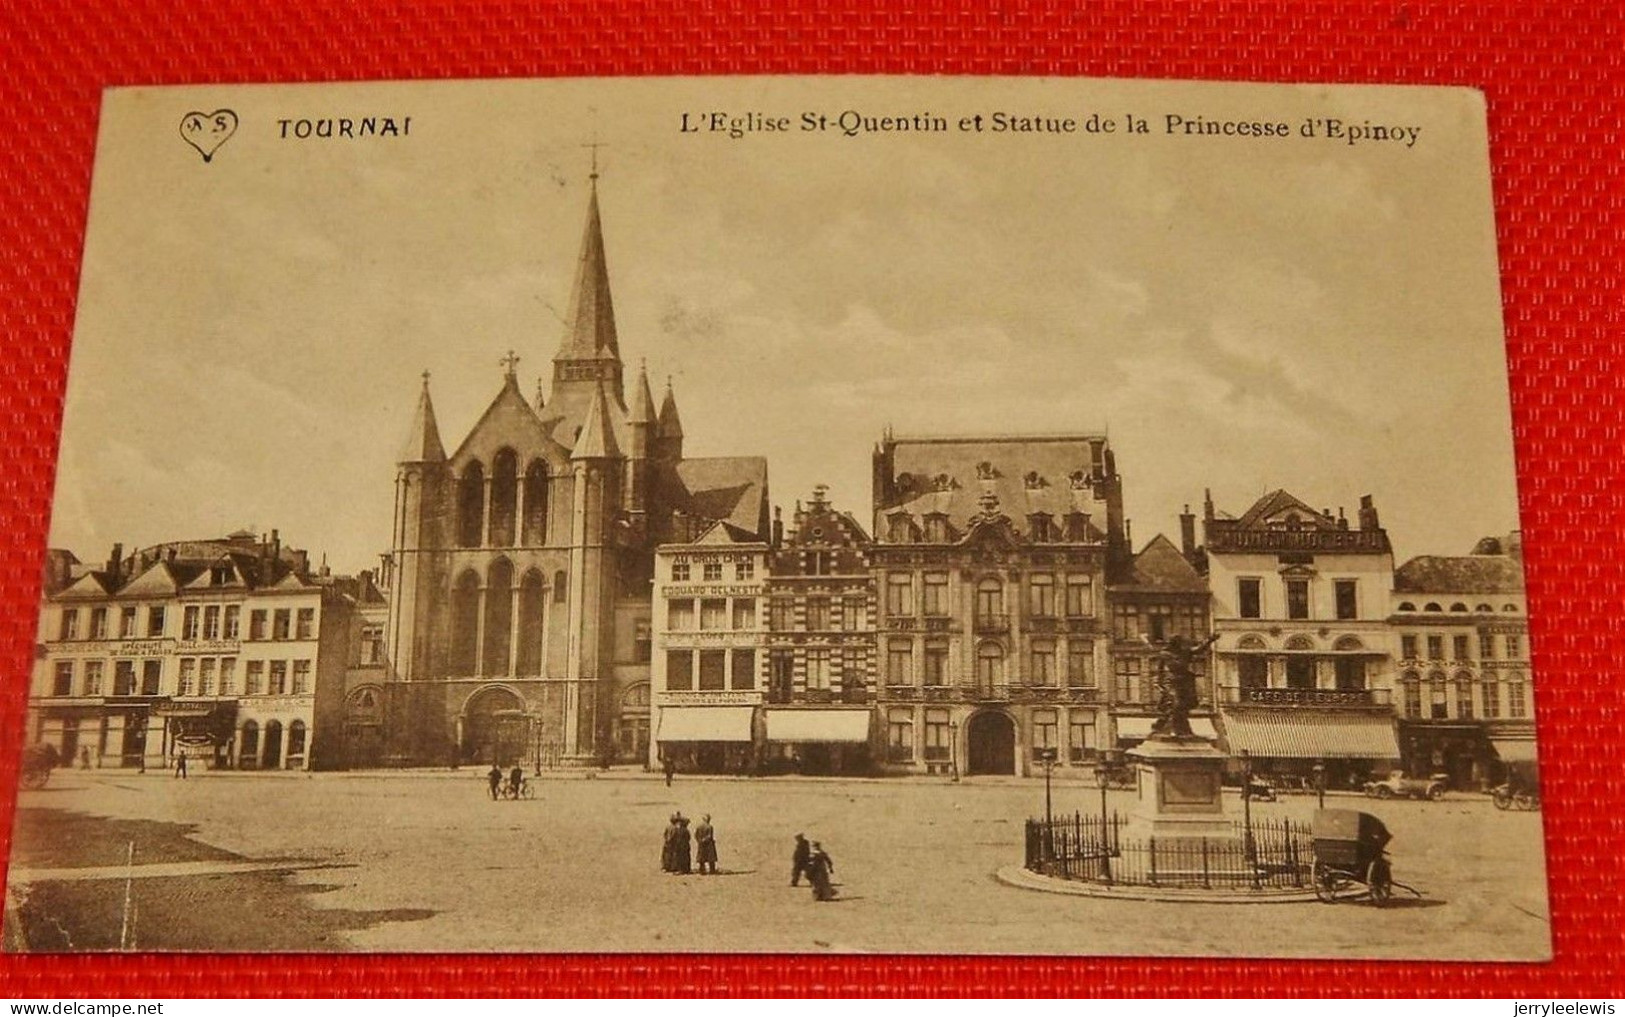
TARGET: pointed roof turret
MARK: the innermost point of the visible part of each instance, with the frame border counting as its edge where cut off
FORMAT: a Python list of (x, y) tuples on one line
[(670, 425), (423, 441), (589, 329), (597, 438), (643, 402)]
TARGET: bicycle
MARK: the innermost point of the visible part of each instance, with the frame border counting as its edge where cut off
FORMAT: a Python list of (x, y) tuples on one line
[(523, 791)]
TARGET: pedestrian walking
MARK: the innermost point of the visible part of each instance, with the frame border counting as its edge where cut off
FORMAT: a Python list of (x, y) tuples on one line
[(515, 777), (494, 778), (180, 765), (820, 866), (669, 766), (705, 842), (683, 858), (668, 845), (84, 759), (798, 861)]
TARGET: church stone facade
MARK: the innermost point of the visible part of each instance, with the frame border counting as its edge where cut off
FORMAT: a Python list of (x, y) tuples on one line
[(522, 559)]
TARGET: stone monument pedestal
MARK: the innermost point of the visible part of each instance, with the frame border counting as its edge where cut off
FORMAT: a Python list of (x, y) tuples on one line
[(1180, 781)]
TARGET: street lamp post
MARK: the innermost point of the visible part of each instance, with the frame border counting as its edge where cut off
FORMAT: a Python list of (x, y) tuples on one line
[(1047, 757), (1103, 776), (1247, 800), (1320, 781), (953, 749)]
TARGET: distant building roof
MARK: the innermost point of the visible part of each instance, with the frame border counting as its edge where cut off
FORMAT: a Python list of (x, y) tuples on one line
[(727, 489), (1478, 573), (1054, 475), (1161, 568)]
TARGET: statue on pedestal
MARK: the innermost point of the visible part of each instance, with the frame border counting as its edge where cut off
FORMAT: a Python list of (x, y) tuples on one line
[(1177, 694)]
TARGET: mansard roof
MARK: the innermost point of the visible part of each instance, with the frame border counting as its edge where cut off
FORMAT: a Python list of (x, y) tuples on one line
[(1478, 573), (1030, 475)]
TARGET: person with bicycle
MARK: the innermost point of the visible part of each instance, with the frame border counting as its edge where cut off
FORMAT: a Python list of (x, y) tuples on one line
[(516, 778), (495, 779)]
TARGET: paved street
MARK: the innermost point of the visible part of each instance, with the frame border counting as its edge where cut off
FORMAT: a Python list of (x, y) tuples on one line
[(444, 868)]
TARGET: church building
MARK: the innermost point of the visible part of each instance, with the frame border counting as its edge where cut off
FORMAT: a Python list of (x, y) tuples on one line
[(522, 559)]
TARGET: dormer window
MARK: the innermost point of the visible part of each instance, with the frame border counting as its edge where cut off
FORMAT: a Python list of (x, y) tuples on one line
[(901, 530), (1038, 527), (936, 528)]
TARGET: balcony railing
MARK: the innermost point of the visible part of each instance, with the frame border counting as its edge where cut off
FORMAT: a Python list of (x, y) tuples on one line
[(1305, 697), (992, 623)]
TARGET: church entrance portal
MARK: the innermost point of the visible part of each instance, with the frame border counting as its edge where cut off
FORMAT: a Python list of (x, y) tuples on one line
[(992, 749), (494, 728)]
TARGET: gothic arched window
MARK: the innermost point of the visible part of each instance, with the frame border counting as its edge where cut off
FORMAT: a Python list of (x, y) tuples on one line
[(465, 623), (535, 526), (560, 588), (532, 616), (504, 497), (470, 505), (498, 618)]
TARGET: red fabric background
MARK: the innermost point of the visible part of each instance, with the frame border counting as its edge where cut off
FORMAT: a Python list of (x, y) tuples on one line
[(1553, 77)]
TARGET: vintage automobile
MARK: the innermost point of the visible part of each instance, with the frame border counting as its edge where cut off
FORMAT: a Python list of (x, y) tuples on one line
[(1397, 785)]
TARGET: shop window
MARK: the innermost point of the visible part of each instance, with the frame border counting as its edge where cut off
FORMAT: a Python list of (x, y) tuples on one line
[(1300, 672), (1350, 674)]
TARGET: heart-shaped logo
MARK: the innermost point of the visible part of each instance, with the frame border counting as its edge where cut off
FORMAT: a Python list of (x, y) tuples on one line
[(206, 132)]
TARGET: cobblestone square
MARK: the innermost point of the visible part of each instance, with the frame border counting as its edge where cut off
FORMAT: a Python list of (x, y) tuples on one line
[(439, 866)]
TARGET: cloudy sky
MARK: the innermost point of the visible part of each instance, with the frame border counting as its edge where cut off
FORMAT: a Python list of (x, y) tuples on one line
[(1238, 313)]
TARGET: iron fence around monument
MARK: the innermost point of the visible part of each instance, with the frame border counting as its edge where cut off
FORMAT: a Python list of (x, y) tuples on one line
[(1274, 854)]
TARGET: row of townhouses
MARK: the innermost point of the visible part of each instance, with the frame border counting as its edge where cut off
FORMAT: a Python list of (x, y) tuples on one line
[(566, 586)]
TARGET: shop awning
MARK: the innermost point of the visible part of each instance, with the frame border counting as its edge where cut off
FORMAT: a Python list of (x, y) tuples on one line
[(1138, 729), (818, 725), (1299, 734), (705, 723), (1514, 750)]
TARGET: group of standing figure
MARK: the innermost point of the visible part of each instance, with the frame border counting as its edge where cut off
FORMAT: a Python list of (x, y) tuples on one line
[(809, 858), (675, 854)]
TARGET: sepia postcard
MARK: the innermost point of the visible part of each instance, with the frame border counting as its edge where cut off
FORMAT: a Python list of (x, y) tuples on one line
[(793, 515)]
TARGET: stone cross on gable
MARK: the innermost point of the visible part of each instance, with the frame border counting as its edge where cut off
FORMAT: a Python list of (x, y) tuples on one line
[(510, 363)]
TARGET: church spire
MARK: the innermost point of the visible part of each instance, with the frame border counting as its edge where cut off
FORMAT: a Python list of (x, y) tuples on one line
[(589, 328), (643, 401), (423, 441), (670, 425), (597, 438)]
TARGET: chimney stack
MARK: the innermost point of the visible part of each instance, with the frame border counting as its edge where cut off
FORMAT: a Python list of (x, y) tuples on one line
[(1368, 514), (115, 562), (1187, 532), (778, 525)]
